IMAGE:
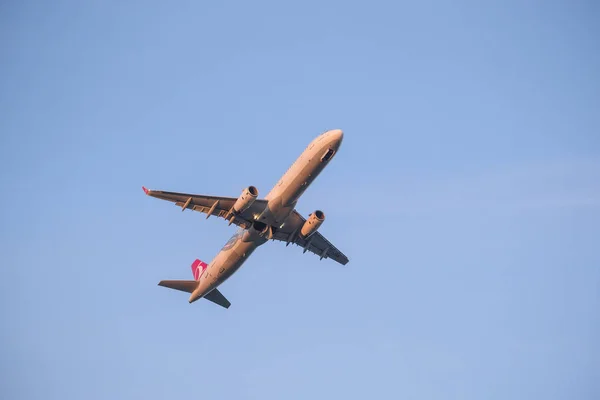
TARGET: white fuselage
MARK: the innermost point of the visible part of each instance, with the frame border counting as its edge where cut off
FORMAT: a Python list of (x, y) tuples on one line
[(282, 200)]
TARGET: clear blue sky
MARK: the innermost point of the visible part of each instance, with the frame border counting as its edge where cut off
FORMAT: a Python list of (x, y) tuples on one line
[(466, 194)]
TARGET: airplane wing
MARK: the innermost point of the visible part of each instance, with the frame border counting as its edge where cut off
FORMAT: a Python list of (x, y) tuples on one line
[(316, 243), (220, 206), (210, 205)]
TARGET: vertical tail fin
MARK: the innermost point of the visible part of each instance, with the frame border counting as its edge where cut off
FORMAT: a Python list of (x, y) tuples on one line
[(198, 268)]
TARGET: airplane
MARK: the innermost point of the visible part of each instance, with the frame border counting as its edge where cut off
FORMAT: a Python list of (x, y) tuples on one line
[(259, 220)]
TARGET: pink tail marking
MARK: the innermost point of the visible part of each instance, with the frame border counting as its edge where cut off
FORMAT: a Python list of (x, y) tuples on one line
[(198, 268)]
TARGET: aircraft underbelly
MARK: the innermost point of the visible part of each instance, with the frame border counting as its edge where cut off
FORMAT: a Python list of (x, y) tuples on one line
[(282, 203), (227, 262)]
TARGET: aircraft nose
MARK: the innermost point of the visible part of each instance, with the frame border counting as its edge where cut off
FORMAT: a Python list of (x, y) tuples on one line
[(336, 135)]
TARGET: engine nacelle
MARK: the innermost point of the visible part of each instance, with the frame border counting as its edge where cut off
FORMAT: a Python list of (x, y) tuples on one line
[(313, 223), (246, 199)]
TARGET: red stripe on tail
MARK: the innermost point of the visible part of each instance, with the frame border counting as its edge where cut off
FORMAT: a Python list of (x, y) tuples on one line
[(198, 268)]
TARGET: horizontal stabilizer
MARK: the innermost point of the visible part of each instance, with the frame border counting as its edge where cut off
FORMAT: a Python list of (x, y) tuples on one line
[(184, 286), (189, 286), (216, 297)]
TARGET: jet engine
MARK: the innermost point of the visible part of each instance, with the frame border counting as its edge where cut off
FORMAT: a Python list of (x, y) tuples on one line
[(313, 223), (245, 200)]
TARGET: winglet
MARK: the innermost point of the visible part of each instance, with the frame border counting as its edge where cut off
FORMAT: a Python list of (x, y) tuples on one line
[(145, 190)]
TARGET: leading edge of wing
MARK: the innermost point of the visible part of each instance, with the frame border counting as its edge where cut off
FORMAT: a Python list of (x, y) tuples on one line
[(316, 243), (173, 196), (210, 205)]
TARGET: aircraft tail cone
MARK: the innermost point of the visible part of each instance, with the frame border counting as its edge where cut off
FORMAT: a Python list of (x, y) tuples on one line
[(196, 294)]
